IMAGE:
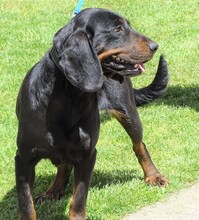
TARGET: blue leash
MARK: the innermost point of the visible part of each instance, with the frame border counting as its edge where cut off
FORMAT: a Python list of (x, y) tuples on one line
[(78, 7)]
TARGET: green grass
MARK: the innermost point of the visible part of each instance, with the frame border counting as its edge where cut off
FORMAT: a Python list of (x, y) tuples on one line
[(171, 124)]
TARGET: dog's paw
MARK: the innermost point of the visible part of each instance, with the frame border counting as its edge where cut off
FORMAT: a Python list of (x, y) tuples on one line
[(157, 180), (49, 195)]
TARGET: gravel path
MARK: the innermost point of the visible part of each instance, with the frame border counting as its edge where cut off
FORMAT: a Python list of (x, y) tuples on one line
[(180, 206)]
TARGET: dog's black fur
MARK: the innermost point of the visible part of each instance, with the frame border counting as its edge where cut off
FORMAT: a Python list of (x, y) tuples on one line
[(58, 104)]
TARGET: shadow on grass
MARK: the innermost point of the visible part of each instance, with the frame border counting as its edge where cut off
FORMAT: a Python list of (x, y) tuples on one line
[(105, 116), (182, 97), (52, 210), (174, 96)]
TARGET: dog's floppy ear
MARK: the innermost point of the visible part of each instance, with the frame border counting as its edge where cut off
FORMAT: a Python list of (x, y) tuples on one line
[(80, 63)]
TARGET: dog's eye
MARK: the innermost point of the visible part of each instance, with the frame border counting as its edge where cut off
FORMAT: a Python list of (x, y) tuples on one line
[(118, 28)]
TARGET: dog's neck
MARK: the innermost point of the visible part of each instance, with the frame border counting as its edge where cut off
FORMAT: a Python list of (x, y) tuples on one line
[(55, 58)]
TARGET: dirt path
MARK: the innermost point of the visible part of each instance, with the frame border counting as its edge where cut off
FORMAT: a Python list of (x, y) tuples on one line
[(180, 206)]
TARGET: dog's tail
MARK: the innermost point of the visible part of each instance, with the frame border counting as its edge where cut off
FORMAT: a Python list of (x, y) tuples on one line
[(156, 88)]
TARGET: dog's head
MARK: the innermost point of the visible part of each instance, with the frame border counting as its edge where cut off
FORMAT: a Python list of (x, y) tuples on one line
[(99, 42)]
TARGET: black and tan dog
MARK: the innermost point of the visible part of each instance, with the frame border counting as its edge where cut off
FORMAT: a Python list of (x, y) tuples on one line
[(87, 69)]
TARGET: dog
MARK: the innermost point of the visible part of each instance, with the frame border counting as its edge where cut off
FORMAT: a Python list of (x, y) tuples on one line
[(86, 70)]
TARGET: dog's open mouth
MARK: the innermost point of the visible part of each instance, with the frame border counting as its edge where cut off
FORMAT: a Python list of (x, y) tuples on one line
[(123, 66)]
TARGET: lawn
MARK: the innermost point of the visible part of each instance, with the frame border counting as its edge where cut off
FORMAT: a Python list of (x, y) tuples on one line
[(171, 124)]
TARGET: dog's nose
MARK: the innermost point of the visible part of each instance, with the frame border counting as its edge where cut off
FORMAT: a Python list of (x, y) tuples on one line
[(153, 46)]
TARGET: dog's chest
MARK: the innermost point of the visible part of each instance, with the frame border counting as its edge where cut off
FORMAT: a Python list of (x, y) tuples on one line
[(70, 148), (73, 127)]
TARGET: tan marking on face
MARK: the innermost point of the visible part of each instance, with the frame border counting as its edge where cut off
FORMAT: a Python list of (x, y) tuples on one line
[(108, 53)]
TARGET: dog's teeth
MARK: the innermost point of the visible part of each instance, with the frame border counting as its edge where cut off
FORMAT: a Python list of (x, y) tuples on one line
[(118, 59)]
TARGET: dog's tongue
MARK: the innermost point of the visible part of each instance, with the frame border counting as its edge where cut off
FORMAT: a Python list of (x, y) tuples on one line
[(141, 66)]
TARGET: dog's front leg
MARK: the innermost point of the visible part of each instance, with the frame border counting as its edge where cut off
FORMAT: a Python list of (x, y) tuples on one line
[(82, 177), (24, 182), (57, 188), (130, 120)]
